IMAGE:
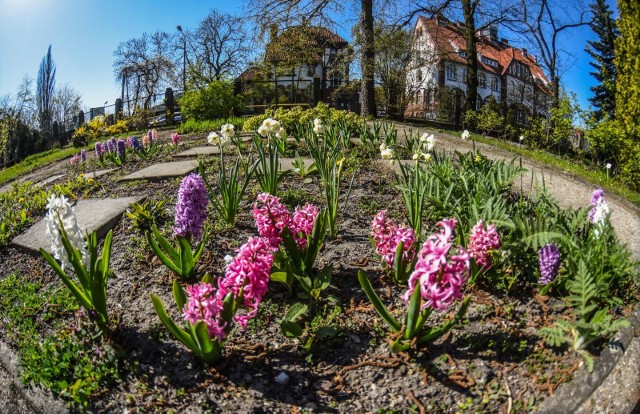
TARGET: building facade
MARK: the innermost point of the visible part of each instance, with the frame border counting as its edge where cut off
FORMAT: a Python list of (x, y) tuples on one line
[(437, 75)]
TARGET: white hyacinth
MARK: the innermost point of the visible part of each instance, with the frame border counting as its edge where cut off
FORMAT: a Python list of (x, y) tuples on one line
[(228, 131), (386, 153), (60, 208), (431, 142), (465, 134)]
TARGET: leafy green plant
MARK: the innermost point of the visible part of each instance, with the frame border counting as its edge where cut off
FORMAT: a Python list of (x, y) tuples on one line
[(181, 259), (302, 170), (268, 167), (413, 186), (231, 188), (196, 336), (413, 327), (591, 322), (192, 125), (92, 292), (146, 214)]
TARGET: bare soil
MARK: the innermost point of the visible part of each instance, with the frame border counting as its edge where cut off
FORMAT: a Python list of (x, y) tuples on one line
[(492, 362)]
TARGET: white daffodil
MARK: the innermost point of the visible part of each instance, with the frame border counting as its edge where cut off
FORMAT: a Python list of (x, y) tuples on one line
[(608, 166), (228, 131), (317, 121), (387, 154), (465, 134), (281, 134), (416, 156), (319, 129), (424, 137), (431, 142), (263, 130), (383, 147), (213, 138), (426, 156)]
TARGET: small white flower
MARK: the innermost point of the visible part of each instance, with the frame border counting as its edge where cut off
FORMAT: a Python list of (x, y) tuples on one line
[(431, 142), (521, 138), (465, 134), (228, 259), (281, 133), (426, 156), (415, 156), (213, 138), (387, 154), (424, 137), (317, 121), (228, 131), (608, 166), (263, 130), (383, 147), (319, 129)]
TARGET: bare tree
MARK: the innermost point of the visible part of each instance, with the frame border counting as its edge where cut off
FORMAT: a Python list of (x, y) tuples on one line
[(544, 23), (143, 66), (284, 13), (219, 48), (45, 89), (18, 116), (67, 102)]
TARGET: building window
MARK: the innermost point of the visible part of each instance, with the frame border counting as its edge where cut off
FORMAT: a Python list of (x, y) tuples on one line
[(521, 117), (427, 96), (462, 54), (479, 103), (482, 80), (419, 75), (452, 73), (335, 80), (418, 97), (494, 84), (464, 74), (488, 61)]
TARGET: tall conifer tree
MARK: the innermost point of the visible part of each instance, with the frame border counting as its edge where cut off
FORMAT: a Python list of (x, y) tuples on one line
[(602, 52)]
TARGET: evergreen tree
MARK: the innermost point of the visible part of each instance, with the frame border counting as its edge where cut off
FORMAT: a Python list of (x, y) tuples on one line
[(602, 52), (45, 89), (627, 62)]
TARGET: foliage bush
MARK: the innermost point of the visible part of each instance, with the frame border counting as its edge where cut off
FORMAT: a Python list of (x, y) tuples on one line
[(192, 125), (217, 100), (606, 140), (291, 118), (120, 127), (554, 131)]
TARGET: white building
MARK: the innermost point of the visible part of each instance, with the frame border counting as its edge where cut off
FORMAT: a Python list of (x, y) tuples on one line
[(508, 75)]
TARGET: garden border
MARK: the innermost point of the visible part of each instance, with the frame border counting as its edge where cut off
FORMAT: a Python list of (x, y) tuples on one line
[(571, 396), (36, 398)]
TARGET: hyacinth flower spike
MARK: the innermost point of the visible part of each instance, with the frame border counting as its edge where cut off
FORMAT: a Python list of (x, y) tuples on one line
[(435, 284), (191, 214)]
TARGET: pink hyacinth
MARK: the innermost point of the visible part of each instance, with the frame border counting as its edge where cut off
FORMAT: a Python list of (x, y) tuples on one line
[(251, 269), (203, 305), (386, 236), (481, 241), (129, 142), (74, 160), (440, 275), (175, 137), (304, 218), (271, 218)]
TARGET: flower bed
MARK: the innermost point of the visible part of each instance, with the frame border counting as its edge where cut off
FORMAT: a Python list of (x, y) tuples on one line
[(467, 287)]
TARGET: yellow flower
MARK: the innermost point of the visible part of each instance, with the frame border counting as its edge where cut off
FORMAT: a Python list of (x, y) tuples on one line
[(21, 200), (90, 181), (478, 158)]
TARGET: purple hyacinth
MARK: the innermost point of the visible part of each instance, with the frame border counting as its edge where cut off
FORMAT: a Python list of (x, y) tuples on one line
[(549, 263), (135, 143), (150, 135), (111, 145), (120, 148), (98, 148), (83, 155), (191, 210)]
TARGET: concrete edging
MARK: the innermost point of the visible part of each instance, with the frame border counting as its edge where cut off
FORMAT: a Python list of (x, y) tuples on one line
[(574, 395)]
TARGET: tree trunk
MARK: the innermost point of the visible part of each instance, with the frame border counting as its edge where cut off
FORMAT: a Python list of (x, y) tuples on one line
[(472, 56), (367, 59)]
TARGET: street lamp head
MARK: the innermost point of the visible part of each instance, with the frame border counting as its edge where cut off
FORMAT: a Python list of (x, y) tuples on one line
[(179, 28), (105, 103)]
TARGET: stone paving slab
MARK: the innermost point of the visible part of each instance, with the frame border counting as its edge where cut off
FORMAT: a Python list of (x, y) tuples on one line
[(286, 164), (194, 152), (99, 214), (49, 180), (163, 170), (100, 173)]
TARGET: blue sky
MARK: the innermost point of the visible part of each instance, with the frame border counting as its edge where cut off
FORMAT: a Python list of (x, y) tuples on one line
[(84, 34)]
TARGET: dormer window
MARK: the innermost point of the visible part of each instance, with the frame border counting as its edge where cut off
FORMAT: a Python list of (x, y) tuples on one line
[(488, 61), (462, 54)]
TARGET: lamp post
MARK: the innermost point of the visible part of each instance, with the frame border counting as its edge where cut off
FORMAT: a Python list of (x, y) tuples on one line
[(184, 60)]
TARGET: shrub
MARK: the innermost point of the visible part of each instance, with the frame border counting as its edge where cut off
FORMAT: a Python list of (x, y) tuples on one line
[(289, 118), (191, 125), (606, 139), (215, 101), (120, 127)]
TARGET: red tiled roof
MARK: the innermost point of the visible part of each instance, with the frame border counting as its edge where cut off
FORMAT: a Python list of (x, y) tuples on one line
[(449, 40), (313, 37)]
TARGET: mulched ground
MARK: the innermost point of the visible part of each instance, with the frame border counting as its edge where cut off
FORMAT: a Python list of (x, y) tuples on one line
[(493, 362)]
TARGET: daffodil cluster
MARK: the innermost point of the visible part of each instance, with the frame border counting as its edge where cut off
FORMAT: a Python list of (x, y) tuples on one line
[(271, 126), (426, 145)]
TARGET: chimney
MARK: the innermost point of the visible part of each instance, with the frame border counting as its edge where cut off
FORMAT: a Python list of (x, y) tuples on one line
[(524, 52), (504, 41)]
